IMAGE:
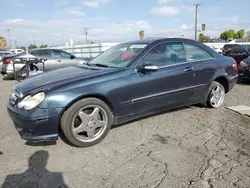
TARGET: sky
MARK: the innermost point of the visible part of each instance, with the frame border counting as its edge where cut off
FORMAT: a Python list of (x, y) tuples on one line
[(54, 22)]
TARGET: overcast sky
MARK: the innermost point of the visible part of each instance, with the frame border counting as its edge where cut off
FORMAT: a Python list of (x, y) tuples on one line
[(55, 21)]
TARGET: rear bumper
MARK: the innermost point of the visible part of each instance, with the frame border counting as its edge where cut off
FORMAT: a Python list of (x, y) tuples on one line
[(36, 125)]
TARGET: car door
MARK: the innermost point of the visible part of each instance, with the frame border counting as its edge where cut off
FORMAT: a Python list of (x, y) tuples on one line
[(170, 85), (63, 59), (204, 66), (49, 62), (69, 59)]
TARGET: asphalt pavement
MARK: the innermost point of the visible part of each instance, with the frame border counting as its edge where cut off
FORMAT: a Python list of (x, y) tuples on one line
[(188, 147)]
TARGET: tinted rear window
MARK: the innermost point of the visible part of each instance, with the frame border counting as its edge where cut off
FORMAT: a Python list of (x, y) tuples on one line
[(247, 47)]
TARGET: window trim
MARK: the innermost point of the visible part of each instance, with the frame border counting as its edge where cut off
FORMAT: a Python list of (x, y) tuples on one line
[(194, 61), (168, 42)]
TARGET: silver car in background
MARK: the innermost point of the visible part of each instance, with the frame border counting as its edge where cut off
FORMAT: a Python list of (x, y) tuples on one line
[(55, 59)]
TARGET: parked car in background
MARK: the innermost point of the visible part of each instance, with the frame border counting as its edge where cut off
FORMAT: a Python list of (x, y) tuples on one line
[(244, 70), (126, 82), (216, 49), (4, 52), (55, 59), (237, 51)]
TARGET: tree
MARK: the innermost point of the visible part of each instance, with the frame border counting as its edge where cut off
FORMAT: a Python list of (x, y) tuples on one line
[(141, 34), (203, 27), (92, 42), (3, 43), (232, 34), (247, 38), (203, 38), (32, 46), (240, 34), (228, 34), (43, 46)]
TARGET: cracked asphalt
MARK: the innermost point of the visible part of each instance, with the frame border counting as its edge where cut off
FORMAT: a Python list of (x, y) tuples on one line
[(185, 148)]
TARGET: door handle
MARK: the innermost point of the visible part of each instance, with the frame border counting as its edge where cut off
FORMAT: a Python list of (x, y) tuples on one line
[(59, 60), (189, 69)]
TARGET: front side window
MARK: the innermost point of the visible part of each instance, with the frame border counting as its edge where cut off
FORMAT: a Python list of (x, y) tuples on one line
[(118, 56), (166, 54), (43, 53), (65, 54), (56, 54), (195, 53)]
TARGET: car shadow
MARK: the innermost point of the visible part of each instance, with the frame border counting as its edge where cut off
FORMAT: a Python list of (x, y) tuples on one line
[(36, 175), (64, 139), (44, 143), (8, 79), (243, 82)]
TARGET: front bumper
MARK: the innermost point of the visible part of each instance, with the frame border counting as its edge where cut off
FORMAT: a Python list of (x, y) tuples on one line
[(36, 125)]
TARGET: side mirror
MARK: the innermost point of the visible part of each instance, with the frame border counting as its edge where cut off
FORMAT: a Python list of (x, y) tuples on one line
[(147, 67), (72, 57)]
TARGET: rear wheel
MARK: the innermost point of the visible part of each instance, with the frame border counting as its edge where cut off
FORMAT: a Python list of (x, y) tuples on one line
[(31, 68), (216, 95), (86, 122)]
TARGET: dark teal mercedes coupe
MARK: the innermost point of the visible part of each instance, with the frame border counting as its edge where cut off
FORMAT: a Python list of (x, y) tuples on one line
[(126, 82)]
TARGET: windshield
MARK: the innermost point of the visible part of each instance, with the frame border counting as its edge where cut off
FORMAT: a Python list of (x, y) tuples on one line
[(118, 56), (247, 47)]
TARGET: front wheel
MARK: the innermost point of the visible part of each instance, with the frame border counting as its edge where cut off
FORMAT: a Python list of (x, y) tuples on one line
[(216, 95), (86, 122)]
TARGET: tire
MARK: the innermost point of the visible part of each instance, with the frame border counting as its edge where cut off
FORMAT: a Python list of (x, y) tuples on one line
[(220, 96), (77, 114), (23, 70)]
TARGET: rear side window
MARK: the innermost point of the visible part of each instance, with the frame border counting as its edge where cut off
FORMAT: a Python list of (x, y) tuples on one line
[(195, 53), (238, 49)]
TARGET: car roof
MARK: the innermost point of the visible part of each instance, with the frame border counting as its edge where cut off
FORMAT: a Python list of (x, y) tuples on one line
[(160, 39)]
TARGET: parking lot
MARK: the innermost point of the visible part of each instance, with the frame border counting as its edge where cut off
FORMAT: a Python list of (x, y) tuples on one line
[(188, 147)]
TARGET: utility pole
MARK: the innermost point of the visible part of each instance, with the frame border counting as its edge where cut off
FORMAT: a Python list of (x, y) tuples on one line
[(34, 40), (9, 38), (86, 33), (15, 43), (196, 19)]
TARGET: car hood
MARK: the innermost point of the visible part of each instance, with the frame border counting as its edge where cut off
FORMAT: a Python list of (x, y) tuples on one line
[(61, 76)]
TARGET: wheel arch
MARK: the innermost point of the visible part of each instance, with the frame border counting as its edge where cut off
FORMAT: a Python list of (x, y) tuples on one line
[(224, 82), (97, 96)]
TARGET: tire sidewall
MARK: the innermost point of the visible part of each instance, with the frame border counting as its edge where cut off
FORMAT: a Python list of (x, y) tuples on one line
[(68, 116), (214, 84)]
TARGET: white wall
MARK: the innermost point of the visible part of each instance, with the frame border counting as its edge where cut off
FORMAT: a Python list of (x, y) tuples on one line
[(92, 50), (86, 50)]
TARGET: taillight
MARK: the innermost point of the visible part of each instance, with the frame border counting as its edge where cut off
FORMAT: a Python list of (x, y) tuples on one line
[(8, 60), (235, 66)]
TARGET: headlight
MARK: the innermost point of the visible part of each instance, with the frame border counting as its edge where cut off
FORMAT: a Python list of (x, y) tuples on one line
[(30, 102), (243, 64)]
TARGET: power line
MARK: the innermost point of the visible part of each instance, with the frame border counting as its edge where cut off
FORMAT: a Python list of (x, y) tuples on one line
[(210, 2)]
